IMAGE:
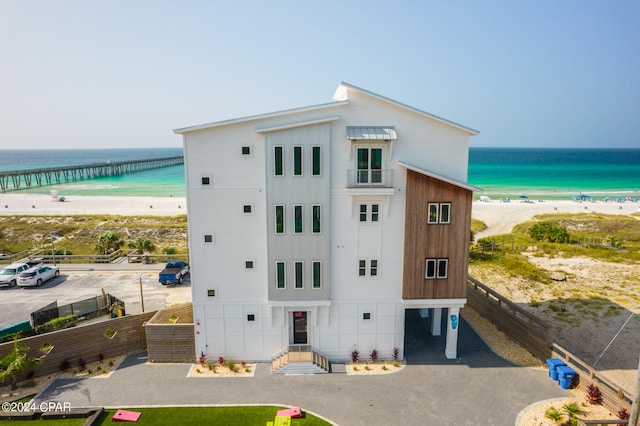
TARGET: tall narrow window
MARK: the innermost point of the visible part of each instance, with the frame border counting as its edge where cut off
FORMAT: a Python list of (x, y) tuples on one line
[(445, 210), (299, 269), (363, 212), (374, 268), (375, 208), (433, 213), (280, 275), (430, 269), (317, 274), (278, 166), (297, 161), (315, 161), (279, 219), (362, 268), (442, 268), (315, 217), (297, 219)]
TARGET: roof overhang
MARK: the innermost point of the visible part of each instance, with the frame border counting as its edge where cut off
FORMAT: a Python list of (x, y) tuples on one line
[(440, 177), (343, 88), (271, 115), (371, 133)]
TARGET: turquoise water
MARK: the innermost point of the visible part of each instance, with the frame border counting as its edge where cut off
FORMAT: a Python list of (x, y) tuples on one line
[(501, 172)]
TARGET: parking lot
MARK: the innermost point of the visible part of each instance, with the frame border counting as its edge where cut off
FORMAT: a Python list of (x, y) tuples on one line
[(78, 282)]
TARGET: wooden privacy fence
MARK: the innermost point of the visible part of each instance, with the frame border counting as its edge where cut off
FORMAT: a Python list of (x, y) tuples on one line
[(535, 336), (106, 339), (170, 335), (516, 322), (614, 397)]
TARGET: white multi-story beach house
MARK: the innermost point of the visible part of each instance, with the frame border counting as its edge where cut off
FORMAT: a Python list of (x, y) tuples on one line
[(322, 225)]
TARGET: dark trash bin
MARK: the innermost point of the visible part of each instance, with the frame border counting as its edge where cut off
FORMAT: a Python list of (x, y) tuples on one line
[(553, 364), (565, 376)]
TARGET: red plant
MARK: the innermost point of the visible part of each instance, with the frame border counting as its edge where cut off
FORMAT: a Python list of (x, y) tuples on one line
[(374, 356), (243, 364), (202, 359), (594, 396), (396, 354), (623, 414), (355, 356), (221, 360)]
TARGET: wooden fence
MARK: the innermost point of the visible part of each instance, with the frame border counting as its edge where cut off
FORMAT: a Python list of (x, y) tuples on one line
[(535, 336), (614, 397), (514, 321), (170, 335), (89, 342)]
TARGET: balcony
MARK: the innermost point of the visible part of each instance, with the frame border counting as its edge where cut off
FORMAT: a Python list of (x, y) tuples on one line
[(370, 178)]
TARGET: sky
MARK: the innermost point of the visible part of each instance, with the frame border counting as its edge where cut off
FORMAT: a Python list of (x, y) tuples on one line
[(125, 73)]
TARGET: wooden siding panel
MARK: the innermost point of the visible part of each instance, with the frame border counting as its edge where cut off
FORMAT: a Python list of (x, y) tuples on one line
[(435, 241)]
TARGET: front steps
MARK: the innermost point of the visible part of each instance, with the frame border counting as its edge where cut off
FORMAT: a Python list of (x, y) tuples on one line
[(298, 368)]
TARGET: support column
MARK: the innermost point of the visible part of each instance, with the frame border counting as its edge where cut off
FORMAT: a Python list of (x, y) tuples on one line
[(436, 320), (424, 313), (453, 322)]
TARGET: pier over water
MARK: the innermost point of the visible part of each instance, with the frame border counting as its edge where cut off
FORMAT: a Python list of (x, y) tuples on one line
[(18, 179)]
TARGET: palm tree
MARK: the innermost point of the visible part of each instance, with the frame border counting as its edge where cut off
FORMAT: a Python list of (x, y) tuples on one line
[(142, 244), (107, 242), (16, 362)]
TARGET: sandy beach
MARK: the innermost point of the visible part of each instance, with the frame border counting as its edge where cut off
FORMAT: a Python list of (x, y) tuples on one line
[(37, 204)]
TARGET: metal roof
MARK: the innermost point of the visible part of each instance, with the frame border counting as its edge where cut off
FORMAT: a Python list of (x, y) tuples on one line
[(383, 133)]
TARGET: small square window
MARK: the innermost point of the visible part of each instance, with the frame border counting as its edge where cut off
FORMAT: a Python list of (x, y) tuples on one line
[(211, 293), (206, 180), (366, 315), (208, 238), (248, 264), (247, 209), (251, 317), (246, 150)]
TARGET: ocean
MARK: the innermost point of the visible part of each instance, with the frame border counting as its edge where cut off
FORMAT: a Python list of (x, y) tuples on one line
[(537, 173)]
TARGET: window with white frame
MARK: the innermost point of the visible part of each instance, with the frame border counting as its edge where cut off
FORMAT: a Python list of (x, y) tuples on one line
[(298, 225), (278, 160), (247, 208), (439, 213), (298, 267), (436, 269), (279, 219), (208, 238), (281, 274), (316, 164), (317, 274), (369, 212), (370, 271), (297, 160), (205, 180), (246, 150), (316, 211)]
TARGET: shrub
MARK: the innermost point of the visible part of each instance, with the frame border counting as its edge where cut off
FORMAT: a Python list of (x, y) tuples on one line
[(57, 324), (221, 360), (571, 409), (243, 364), (549, 230), (374, 355), (594, 396), (384, 367), (396, 354), (623, 414), (355, 356), (82, 364), (553, 414), (65, 364), (202, 358), (366, 367), (100, 358), (396, 363)]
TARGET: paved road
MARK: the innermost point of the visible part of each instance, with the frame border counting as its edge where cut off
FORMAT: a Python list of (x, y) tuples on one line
[(478, 388)]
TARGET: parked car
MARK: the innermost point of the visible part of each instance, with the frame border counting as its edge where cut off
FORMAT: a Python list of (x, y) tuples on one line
[(174, 272), (36, 276), (9, 274)]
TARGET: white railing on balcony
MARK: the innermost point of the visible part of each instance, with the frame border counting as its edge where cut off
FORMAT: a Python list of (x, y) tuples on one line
[(370, 178)]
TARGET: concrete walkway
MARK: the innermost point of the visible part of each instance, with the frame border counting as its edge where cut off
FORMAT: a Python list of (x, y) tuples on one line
[(478, 388)]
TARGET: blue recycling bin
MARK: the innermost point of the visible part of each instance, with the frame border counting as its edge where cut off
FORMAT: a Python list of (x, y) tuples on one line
[(565, 376), (553, 364)]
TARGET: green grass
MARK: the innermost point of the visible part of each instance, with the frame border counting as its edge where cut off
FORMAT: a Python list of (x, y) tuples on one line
[(242, 415)]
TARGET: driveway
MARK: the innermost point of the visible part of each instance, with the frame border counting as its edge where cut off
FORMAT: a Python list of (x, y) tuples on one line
[(477, 388)]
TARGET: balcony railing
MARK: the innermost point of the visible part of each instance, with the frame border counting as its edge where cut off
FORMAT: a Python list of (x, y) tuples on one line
[(370, 178)]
